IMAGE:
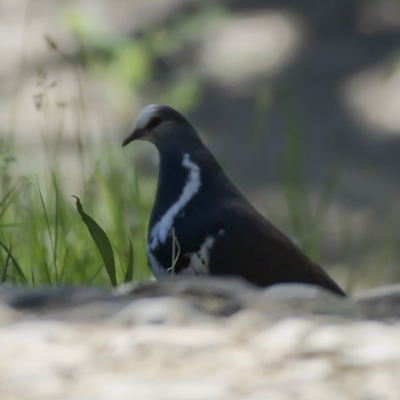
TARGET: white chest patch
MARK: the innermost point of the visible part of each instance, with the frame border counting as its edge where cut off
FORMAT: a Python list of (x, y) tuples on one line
[(199, 262), (162, 228)]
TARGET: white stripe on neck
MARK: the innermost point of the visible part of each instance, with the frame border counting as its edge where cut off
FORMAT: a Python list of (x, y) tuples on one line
[(163, 227)]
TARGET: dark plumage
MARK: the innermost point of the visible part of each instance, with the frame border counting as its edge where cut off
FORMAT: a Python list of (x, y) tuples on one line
[(219, 232)]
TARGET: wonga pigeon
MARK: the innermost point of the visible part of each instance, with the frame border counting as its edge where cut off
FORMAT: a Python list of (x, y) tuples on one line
[(200, 216)]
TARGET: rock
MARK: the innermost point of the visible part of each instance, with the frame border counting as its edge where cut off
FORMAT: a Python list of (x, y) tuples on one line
[(283, 337), (52, 297), (156, 311), (197, 339), (302, 298), (8, 314), (380, 303), (225, 297), (66, 303), (214, 296)]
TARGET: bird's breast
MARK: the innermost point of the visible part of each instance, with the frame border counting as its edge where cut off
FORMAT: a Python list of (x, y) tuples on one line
[(162, 228), (169, 258), (160, 241), (199, 261)]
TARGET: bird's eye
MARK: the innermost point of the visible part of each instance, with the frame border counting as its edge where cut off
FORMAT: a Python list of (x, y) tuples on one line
[(154, 121)]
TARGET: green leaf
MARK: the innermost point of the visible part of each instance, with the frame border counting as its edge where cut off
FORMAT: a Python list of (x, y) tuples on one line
[(129, 270), (101, 240)]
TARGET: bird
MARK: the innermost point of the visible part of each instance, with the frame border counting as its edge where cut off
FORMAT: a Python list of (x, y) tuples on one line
[(202, 224)]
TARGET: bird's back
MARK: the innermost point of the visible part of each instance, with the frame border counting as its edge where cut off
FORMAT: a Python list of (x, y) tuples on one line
[(259, 252)]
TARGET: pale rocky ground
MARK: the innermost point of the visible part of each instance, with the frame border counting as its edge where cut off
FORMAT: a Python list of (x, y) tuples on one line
[(198, 340)]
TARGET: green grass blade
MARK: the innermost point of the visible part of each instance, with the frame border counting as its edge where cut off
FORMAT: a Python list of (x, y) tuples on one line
[(7, 199), (33, 279), (291, 174), (90, 281), (4, 270), (63, 267), (328, 189), (101, 240), (129, 270), (46, 216), (56, 227), (263, 102), (15, 262)]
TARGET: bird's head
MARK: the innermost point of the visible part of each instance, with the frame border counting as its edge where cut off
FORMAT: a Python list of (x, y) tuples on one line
[(159, 124)]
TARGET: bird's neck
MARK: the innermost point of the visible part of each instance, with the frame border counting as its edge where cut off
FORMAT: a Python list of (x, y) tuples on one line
[(183, 172), (172, 178)]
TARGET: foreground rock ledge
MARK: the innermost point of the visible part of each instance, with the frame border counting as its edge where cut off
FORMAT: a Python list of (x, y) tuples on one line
[(198, 339)]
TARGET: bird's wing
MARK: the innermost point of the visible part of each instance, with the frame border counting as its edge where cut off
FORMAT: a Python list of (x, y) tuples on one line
[(255, 249)]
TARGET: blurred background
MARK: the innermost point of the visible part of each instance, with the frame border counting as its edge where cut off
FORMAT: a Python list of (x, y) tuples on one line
[(298, 100)]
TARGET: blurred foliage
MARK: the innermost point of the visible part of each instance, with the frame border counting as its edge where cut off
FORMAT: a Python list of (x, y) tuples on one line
[(129, 64)]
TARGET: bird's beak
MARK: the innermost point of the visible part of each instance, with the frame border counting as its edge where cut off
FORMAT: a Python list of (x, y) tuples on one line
[(136, 134)]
